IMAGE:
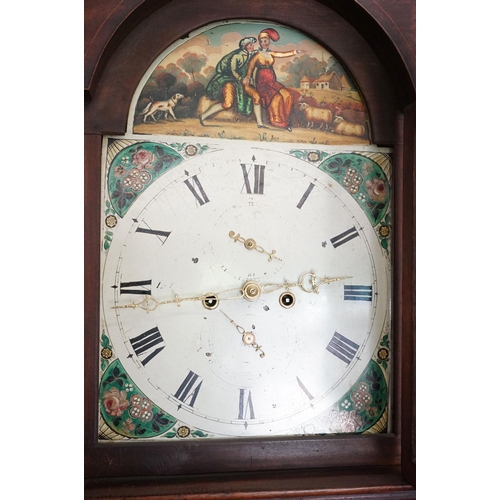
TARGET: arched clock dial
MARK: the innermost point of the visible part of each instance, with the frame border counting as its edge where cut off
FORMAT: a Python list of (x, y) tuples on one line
[(245, 290)]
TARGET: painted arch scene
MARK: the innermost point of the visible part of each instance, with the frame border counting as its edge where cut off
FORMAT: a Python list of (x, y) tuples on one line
[(252, 81)]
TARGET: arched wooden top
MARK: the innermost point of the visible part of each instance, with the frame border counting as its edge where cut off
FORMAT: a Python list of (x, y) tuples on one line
[(134, 33)]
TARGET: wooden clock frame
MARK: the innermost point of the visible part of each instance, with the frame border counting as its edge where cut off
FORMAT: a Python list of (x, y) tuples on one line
[(122, 41)]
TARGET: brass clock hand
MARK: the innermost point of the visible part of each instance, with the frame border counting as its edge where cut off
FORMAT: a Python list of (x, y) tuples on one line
[(248, 338), (210, 300), (251, 291), (308, 282), (251, 244)]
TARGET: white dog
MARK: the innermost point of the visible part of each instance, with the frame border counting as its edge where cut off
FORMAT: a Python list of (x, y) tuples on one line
[(167, 106)]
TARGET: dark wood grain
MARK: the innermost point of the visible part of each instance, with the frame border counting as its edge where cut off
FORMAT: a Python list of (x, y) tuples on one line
[(408, 299), (107, 111), (240, 455), (106, 24), (92, 164), (123, 38), (389, 27), (362, 484)]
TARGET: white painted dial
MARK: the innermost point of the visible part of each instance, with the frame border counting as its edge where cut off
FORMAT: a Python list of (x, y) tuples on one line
[(174, 241)]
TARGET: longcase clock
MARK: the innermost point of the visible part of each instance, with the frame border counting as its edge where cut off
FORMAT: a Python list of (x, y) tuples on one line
[(249, 183)]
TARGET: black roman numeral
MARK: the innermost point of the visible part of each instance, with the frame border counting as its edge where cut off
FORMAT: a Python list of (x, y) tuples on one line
[(145, 345), (136, 287), (342, 347), (305, 195), (197, 189), (344, 237), (162, 235), (258, 181), (358, 292), (185, 392), (245, 407)]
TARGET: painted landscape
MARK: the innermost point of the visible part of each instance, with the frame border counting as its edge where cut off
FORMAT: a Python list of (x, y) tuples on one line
[(322, 104)]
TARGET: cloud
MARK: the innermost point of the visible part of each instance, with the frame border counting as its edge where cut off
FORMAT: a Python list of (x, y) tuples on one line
[(201, 44), (226, 42)]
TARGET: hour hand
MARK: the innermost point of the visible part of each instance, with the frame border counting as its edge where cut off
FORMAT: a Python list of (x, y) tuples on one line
[(251, 244)]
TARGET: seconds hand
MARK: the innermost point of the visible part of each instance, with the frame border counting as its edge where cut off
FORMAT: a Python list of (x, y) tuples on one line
[(248, 338)]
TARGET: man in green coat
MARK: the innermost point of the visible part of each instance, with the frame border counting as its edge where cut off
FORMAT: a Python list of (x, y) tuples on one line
[(229, 82)]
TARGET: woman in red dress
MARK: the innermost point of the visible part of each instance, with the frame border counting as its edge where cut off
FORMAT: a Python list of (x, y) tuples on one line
[(267, 91)]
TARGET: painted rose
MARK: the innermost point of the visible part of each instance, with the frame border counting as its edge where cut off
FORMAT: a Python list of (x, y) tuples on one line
[(143, 158), (344, 421), (115, 402), (376, 189)]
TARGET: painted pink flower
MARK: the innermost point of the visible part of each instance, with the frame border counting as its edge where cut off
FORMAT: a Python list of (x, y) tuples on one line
[(128, 426), (376, 189), (366, 168), (353, 422), (344, 421), (119, 171), (143, 158), (115, 402)]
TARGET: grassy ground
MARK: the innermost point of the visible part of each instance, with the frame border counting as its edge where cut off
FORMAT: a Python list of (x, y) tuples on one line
[(189, 127)]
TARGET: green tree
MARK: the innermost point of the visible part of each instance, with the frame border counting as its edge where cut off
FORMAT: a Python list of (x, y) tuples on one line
[(300, 66), (192, 63)]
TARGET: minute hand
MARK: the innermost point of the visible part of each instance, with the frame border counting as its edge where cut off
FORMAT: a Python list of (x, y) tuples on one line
[(251, 290), (308, 282)]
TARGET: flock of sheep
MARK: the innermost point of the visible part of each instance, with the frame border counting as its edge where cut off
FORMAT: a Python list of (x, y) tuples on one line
[(331, 122)]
